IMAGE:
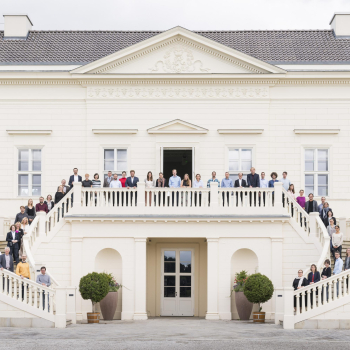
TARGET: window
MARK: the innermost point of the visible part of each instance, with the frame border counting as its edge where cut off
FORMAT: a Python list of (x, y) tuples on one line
[(316, 171), (240, 161), (29, 172), (115, 160)]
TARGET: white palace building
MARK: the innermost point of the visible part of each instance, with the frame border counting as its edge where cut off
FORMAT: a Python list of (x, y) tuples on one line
[(197, 101)]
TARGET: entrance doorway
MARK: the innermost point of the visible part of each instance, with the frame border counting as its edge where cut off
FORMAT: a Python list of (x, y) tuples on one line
[(177, 282), (179, 159)]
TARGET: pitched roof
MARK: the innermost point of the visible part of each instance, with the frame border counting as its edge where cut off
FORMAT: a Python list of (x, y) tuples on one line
[(81, 47)]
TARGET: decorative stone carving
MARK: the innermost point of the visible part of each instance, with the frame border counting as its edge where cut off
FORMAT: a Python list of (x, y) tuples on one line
[(179, 59), (180, 92)]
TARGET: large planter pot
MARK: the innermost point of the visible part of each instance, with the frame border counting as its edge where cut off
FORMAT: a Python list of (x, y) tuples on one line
[(93, 317), (259, 317), (108, 305), (244, 307)]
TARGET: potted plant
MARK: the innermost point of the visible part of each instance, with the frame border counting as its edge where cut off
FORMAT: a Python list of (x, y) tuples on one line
[(109, 303), (243, 305), (258, 289), (94, 286)]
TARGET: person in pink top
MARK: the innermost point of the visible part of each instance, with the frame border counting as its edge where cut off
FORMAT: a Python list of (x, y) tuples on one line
[(123, 178), (301, 202)]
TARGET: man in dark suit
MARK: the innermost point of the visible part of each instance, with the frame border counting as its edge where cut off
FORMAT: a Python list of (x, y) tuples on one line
[(132, 181), (64, 186), (13, 239), (6, 262), (240, 182), (74, 178), (311, 205), (253, 180)]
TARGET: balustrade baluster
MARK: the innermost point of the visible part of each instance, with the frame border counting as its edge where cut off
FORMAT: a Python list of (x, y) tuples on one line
[(14, 296), (35, 290), (308, 299), (313, 298), (303, 302), (30, 291), (1, 282), (10, 287), (334, 287)]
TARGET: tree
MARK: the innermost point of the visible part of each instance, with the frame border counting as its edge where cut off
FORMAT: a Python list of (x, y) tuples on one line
[(258, 289), (94, 286)]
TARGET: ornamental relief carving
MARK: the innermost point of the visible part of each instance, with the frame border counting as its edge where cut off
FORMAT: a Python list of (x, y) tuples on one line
[(219, 92), (179, 59)]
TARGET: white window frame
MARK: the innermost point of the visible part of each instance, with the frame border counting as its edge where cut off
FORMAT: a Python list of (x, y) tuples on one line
[(115, 148), (29, 172), (227, 160), (315, 148)]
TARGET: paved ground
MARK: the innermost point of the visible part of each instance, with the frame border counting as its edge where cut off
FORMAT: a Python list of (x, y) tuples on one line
[(173, 333)]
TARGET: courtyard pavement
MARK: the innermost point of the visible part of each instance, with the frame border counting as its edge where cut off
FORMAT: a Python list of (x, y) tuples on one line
[(173, 333)]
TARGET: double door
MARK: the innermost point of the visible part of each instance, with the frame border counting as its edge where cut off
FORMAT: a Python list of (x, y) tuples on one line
[(177, 282)]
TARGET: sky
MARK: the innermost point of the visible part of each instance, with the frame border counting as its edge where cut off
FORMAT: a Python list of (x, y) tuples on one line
[(165, 14)]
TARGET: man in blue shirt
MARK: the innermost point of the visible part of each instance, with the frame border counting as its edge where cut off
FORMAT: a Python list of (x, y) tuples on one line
[(226, 182), (213, 179), (175, 182), (338, 267), (264, 183)]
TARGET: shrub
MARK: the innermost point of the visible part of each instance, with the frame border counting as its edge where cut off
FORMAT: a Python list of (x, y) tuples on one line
[(94, 286), (240, 280), (112, 283), (258, 289)]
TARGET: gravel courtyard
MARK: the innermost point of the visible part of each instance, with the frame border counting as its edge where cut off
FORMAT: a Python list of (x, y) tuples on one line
[(173, 333)]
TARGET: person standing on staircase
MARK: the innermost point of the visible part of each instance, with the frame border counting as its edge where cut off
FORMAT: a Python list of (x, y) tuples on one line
[(338, 267), (23, 271), (12, 239), (22, 214), (337, 241), (6, 262)]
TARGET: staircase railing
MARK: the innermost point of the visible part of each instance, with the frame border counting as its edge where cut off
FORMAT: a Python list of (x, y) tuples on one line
[(56, 214), (297, 213), (29, 293), (322, 235)]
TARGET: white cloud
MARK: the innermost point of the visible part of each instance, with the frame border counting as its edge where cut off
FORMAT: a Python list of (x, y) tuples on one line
[(165, 14)]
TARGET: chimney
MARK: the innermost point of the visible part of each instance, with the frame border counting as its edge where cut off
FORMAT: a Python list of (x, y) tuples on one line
[(340, 23), (17, 26)]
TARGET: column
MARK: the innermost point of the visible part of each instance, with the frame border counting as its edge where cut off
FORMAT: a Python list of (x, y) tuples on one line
[(76, 272), (288, 318), (77, 188), (212, 279), (41, 223), (214, 195), (140, 279), (276, 269), (60, 316)]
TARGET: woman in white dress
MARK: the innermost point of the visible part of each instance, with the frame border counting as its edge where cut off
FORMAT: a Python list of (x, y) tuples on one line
[(25, 227), (148, 185)]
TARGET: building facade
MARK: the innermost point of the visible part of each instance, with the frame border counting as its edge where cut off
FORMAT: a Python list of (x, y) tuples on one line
[(195, 101)]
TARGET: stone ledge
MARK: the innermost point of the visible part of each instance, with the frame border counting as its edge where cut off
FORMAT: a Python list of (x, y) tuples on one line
[(26, 322), (323, 324)]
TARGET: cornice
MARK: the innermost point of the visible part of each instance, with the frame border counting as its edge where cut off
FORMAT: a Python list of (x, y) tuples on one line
[(149, 81)]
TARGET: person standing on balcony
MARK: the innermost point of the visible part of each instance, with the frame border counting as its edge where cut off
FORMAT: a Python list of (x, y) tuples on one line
[(285, 184), (108, 179), (12, 239), (291, 192), (88, 184), (131, 182), (30, 211), (337, 241), (198, 183), (311, 205), (23, 271), (149, 183), (22, 214), (253, 181), (58, 196), (161, 182), (213, 179), (74, 179), (49, 202), (240, 182), (226, 182), (115, 183), (175, 182), (272, 184), (338, 267), (186, 182), (123, 178), (264, 183), (66, 188), (96, 183)]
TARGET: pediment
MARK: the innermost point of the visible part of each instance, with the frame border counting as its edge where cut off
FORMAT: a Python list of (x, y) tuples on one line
[(178, 51), (177, 126)]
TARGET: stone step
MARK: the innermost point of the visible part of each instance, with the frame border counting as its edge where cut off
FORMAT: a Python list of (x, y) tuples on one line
[(68, 322)]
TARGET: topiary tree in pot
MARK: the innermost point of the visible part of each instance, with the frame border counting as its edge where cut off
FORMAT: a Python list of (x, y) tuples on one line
[(94, 286), (258, 289)]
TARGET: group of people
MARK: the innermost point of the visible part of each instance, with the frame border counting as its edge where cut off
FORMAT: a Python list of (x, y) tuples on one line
[(315, 276)]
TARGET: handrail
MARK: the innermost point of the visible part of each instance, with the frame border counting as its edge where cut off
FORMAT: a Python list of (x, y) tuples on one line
[(58, 210), (325, 242)]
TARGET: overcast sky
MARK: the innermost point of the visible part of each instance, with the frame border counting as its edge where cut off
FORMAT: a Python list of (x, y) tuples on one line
[(165, 14)]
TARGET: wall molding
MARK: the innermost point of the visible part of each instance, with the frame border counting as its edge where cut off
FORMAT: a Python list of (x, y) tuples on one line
[(240, 131), (316, 131), (29, 132), (114, 131)]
